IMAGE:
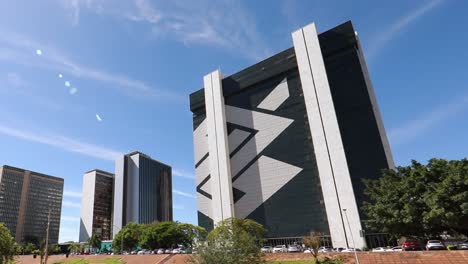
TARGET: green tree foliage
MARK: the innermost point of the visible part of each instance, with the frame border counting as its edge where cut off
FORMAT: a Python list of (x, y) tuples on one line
[(158, 235), (8, 247), (75, 247), (28, 248), (130, 234), (233, 241), (420, 200), (95, 240)]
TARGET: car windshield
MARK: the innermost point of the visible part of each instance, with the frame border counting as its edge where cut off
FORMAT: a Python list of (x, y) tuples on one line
[(434, 241)]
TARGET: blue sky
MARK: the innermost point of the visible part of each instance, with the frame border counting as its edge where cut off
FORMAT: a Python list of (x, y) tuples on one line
[(131, 65)]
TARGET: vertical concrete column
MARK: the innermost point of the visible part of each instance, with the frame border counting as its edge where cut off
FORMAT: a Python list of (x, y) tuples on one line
[(333, 169), (220, 169)]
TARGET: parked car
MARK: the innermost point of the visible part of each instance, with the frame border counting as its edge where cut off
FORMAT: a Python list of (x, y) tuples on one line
[(463, 245), (325, 249), (176, 251), (379, 249), (339, 249), (435, 245), (411, 245), (134, 252), (280, 249), (293, 249), (185, 250), (267, 249), (396, 249), (160, 251), (347, 250), (168, 251)]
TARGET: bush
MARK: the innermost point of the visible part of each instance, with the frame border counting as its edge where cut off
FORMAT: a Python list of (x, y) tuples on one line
[(233, 241), (452, 247)]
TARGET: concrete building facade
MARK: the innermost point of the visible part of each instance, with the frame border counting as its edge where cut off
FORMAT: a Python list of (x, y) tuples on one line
[(287, 141), (97, 205)]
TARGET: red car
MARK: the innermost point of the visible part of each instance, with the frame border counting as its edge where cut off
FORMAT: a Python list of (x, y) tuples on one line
[(411, 245)]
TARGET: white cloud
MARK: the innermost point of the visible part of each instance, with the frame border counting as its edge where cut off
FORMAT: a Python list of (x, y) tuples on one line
[(69, 218), (71, 204), (18, 52), (73, 145), (422, 124), (186, 194), (386, 35), (62, 142), (182, 173), (73, 194), (223, 23)]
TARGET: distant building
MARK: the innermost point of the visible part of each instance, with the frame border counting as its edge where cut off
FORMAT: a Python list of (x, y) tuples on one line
[(142, 190), (97, 205), (286, 142), (26, 198)]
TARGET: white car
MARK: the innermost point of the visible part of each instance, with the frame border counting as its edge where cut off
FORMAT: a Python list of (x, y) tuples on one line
[(396, 249), (338, 249), (347, 250), (463, 245), (434, 245), (280, 249), (176, 251), (379, 249), (267, 249), (168, 251), (160, 251), (325, 249), (293, 249)]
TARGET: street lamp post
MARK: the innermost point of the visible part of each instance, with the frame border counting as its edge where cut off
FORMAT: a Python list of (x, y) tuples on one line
[(352, 237), (47, 238)]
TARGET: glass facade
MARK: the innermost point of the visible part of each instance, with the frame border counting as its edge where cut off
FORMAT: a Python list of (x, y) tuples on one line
[(155, 197), (11, 186), (103, 201), (33, 199)]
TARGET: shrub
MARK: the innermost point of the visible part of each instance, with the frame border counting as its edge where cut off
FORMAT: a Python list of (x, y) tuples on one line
[(452, 247)]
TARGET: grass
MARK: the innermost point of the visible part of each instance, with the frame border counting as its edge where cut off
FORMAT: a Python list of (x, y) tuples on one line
[(88, 261)]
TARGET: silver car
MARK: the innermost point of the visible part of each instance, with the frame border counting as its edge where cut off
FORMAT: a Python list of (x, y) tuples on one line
[(463, 245), (434, 245), (280, 249), (293, 249), (267, 249)]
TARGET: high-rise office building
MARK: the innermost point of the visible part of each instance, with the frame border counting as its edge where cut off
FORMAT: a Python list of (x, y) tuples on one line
[(97, 205), (26, 200), (287, 142), (142, 190)]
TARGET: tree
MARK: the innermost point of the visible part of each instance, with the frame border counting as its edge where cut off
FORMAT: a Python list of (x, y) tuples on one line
[(8, 247), (131, 236), (95, 240), (233, 241), (191, 234), (28, 248), (74, 247), (420, 200), (313, 242)]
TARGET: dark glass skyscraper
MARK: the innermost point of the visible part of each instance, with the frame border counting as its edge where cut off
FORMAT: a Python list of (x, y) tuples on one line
[(287, 142), (26, 198), (142, 191), (96, 205)]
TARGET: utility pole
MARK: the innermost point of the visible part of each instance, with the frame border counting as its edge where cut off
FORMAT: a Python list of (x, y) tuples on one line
[(352, 238), (46, 254)]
